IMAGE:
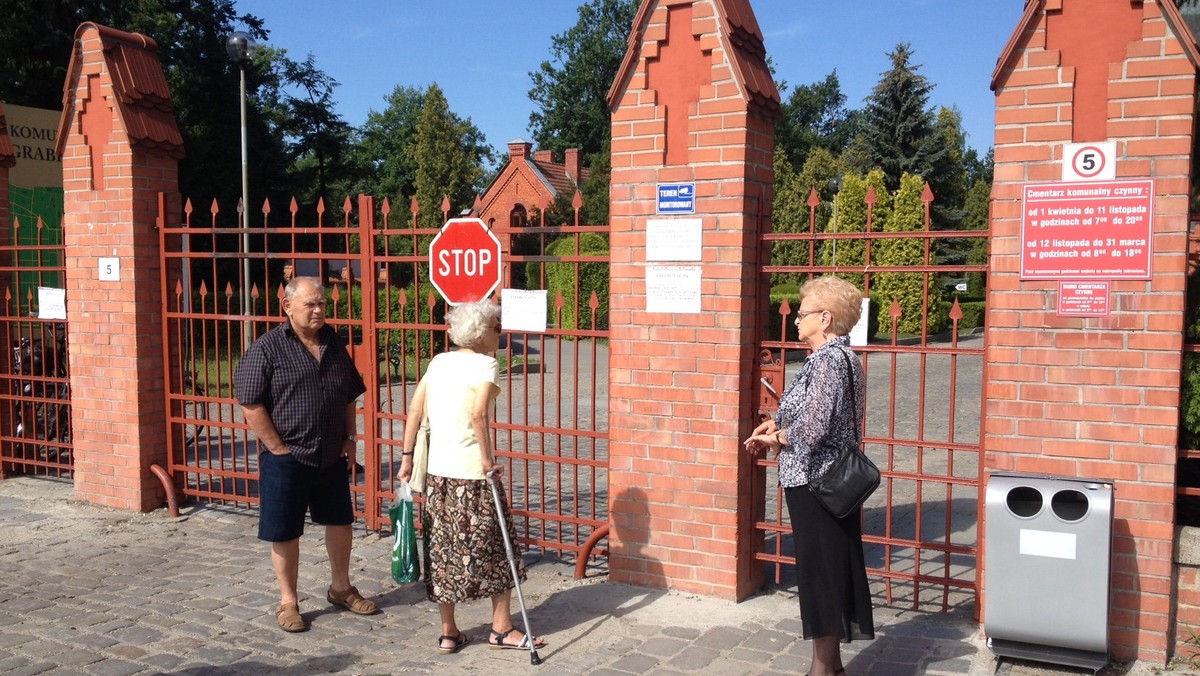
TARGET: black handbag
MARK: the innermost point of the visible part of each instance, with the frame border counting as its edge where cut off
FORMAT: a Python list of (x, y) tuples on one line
[(852, 478)]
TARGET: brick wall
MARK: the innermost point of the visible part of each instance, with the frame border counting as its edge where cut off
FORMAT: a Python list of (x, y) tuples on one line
[(680, 391), (1096, 397), (111, 187)]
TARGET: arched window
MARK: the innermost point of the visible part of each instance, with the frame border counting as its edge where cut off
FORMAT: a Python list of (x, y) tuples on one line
[(518, 218)]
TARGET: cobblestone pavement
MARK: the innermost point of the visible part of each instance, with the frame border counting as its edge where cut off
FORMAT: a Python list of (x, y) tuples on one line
[(90, 590)]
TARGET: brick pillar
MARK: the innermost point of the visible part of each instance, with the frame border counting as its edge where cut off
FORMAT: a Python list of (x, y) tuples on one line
[(688, 107), (120, 148), (1097, 397)]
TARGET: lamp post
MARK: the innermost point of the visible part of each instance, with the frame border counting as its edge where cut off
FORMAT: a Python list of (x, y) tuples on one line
[(835, 186), (241, 48)]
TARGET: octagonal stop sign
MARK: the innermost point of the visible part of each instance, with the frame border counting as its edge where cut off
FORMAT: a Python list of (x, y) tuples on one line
[(464, 261)]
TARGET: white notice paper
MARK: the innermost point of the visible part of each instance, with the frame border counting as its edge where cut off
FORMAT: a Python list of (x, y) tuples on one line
[(523, 311), (52, 303), (858, 334), (673, 239), (1046, 543), (673, 289)]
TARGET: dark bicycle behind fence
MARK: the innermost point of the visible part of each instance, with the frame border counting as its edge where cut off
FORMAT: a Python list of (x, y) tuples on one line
[(42, 402)]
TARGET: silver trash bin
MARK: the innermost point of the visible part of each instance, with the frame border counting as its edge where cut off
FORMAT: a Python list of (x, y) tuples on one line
[(1049, 552)]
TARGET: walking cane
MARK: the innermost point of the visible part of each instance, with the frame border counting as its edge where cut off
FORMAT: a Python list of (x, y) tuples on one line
[(512, 563)]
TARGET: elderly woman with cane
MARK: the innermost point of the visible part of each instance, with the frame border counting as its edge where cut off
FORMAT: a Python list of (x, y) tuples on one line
[(465, 545), (821, 411)]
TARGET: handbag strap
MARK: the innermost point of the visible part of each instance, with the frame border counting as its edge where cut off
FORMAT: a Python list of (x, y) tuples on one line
[(853, 397)]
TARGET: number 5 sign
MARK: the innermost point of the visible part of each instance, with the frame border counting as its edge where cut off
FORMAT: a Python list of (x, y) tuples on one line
[(1090, 161)]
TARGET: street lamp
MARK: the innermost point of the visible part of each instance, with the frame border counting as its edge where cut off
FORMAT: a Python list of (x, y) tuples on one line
[(241, 48), (835, 186)]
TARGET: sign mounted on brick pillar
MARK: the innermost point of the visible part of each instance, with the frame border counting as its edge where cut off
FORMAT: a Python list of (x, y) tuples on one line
[(683, 285)]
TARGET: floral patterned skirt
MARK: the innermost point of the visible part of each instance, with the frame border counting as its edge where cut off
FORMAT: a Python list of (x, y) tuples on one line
[(465, 557)]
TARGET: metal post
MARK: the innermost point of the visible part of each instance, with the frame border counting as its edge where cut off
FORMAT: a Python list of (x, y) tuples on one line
[(245, 202), (241, 49), (835, 185), (835, 200)]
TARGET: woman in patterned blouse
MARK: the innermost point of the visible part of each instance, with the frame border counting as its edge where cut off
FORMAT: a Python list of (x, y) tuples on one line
[(816, 418)]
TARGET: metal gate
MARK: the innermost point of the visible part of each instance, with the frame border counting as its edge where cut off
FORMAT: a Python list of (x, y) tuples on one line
[(550, 422), (923, 411), (35, 395)]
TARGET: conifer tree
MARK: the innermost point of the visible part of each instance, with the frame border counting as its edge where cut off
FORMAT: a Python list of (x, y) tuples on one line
[(445, 166), (916, 292), (570, 93), (899, 131)]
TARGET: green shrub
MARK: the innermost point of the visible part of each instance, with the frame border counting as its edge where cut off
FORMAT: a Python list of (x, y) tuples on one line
[(773, 320), (972, 316), (560, 278), (398, 347), (1190, 406)]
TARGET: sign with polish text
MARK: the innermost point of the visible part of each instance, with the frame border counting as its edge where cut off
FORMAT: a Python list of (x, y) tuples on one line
[(1092, 230), (1083, 299), (676, 198)]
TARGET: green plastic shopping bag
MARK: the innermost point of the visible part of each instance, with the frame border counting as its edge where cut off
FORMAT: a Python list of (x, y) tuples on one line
[(406, 563)]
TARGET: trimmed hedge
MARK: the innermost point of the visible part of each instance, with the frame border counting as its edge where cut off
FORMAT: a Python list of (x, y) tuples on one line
[(791, 292), (973, 313), (1189, 413), (560, 278)]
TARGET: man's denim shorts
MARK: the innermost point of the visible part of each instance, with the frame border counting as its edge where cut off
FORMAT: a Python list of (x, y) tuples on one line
[(288, 490)]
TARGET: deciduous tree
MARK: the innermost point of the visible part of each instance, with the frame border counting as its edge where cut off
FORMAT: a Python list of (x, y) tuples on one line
[(317, 138), (815, 116), (382, 152), (570, 91)]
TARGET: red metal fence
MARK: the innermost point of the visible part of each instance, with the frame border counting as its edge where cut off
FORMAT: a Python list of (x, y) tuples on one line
[(923, 408), (550, 422), (35, 396), (1187, 508)]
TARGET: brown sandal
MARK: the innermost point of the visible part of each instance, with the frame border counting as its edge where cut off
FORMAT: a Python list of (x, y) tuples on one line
[(289, 618), (352, 601)]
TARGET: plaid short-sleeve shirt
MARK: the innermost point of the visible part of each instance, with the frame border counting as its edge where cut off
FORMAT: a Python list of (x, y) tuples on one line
[(305, 398)]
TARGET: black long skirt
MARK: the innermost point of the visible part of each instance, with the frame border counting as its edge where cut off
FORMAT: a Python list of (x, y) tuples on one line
[(831, 574)]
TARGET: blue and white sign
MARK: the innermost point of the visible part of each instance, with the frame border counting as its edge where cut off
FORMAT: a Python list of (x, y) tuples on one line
[(676, 198)]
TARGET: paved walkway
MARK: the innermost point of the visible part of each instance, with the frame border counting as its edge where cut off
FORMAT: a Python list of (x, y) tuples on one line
[(89, 590)]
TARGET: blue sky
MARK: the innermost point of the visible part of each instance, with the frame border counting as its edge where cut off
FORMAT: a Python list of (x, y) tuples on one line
[(481, 51)]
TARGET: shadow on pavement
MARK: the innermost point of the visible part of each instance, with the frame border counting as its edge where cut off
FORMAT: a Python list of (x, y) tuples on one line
[(586, 609), (324, 664)]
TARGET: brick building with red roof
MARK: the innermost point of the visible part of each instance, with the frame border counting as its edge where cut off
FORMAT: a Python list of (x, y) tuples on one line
[(527, 187)]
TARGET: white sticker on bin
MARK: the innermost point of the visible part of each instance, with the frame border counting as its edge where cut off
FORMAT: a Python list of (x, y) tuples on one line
[(1045, 543)]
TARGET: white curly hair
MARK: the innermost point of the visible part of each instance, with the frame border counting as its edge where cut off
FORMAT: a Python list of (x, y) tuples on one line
[(470, 322)]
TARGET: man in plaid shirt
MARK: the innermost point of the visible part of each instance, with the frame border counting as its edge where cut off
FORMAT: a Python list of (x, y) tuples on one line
[(297, 387)]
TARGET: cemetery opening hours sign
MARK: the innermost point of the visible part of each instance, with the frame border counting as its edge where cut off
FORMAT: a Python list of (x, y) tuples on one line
[(1093, 230)]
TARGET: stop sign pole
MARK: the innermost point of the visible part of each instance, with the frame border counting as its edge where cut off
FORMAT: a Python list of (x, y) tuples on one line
[(464, 261)]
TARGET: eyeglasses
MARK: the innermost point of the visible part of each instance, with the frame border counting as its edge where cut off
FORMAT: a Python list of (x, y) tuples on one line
[(801, 314), (497, 328)]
